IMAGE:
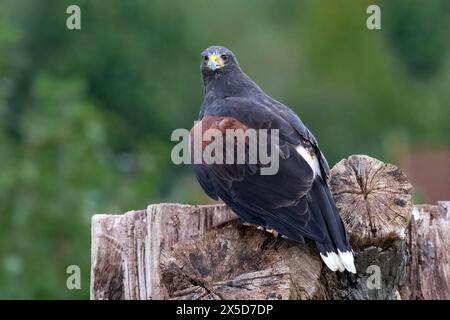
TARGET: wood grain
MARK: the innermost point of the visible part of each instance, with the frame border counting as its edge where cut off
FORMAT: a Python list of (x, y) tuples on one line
[(172, 251)]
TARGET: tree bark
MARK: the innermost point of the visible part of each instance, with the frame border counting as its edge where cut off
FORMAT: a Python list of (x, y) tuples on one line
[(171, 251)]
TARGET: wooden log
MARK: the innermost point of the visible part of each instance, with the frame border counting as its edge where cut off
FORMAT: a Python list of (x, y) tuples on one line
[(241, 262), (428, 268), (126, 249), (171, 251), (374, 200)]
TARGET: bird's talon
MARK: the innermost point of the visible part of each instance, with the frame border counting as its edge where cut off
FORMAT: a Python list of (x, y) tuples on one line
[(273, 232)]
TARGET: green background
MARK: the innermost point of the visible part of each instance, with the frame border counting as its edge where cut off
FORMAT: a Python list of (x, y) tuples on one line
[(86, 116)]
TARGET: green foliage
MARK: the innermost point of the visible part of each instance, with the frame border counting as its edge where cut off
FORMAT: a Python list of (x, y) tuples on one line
[(422, 45), (86, 116)]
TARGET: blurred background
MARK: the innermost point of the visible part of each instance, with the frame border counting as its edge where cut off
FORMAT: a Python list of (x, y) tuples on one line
[(86, 116)]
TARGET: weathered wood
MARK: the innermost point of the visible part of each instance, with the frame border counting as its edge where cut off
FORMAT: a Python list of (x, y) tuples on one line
[(126, 248), (428, 268), (171, 251), (117, 259), (373, 198), (241, 262)]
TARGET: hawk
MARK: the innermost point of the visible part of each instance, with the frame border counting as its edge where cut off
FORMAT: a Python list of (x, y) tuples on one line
[(296, 200)]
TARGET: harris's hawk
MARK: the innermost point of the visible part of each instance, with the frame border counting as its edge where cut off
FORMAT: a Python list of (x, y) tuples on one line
[(296, 201)]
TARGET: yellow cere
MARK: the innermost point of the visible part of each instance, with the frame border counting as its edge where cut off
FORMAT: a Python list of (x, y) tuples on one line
[(217, 59)]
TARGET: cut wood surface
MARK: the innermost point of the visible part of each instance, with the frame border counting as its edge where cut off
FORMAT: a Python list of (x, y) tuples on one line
[(373, 198), (171, 251)]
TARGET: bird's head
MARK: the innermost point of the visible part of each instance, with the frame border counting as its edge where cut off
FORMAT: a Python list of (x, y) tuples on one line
[(216, 59)]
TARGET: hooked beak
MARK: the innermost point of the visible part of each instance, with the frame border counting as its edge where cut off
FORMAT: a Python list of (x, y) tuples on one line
[(215, 62)]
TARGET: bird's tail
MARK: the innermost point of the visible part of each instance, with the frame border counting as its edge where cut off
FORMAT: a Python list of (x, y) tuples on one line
[(335, 250)]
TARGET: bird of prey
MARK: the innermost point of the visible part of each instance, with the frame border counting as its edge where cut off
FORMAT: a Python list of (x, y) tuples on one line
[(296, 201)]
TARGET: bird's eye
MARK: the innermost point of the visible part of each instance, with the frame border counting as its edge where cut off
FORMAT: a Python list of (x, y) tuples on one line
[(205, 57), (224, 57)]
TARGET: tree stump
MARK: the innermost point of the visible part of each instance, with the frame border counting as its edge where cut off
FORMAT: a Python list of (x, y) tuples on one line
[(171, 251), (126, 249), (241, 262), (374, 200), (428, 242)]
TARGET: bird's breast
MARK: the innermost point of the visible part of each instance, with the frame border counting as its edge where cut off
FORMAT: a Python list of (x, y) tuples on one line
[(210, 128)]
